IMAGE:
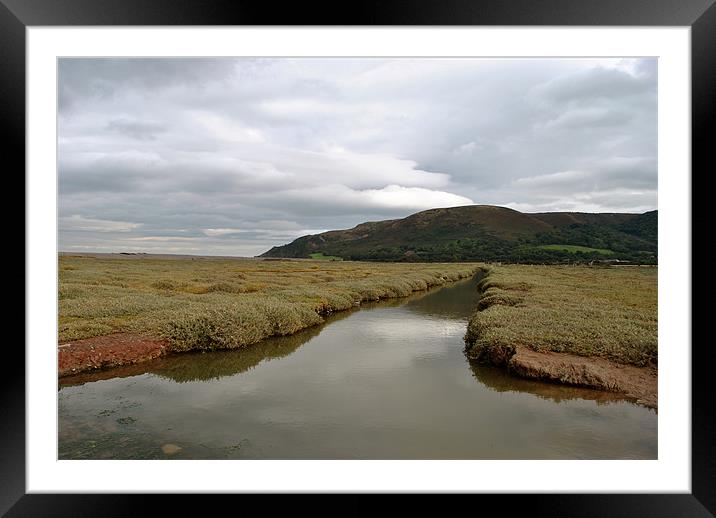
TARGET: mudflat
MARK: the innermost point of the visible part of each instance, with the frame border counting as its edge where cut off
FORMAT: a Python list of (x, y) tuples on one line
[(102, 352)]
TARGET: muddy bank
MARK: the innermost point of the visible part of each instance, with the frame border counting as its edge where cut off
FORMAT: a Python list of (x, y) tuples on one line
[(104, 352), (637, 383), (562, 326)]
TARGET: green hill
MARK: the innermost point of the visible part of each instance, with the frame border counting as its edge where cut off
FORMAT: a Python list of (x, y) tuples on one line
[(488, 233)]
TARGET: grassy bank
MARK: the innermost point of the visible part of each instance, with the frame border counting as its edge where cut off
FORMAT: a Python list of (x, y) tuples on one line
[(604, 312), (202, 303)]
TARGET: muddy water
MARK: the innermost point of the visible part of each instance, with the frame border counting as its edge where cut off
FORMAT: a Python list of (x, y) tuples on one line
[(387, 381)]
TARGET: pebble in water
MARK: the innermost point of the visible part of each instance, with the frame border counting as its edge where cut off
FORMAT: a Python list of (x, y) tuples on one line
[(170, 449)]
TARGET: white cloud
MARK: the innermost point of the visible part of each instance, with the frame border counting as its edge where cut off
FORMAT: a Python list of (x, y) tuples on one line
[(164, 239), (389, 199), (224, 128), (213, 232), (396, 196)]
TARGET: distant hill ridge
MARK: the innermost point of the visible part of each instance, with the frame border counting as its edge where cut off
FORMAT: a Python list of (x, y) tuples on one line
[(488, 233)]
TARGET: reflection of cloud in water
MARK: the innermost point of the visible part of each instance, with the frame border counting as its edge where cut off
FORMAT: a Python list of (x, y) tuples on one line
[(500, 380), (406, 327)]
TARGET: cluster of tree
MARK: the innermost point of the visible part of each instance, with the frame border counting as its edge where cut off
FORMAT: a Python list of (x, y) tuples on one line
[(645, 226), (492, 249), (595, 236)]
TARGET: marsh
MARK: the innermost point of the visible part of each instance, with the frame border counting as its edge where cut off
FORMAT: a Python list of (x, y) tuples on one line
[(388, 380)]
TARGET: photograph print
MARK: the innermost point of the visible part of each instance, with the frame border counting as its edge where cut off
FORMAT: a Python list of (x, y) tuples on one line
[(357, 258)]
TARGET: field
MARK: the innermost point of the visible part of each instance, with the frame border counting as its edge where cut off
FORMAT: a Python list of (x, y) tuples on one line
[(205, 303), (575, 248), (608, 313), (320, 257)]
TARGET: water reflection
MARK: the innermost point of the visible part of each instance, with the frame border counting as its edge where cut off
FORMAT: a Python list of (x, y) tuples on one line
[(456, 303), (500, 380), (205, 366)]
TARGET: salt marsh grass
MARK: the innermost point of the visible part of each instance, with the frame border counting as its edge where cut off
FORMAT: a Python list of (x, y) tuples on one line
[(605, 312), (205, 303)]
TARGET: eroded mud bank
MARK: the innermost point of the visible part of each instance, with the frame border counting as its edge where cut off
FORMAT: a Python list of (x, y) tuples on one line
[(637, 383)]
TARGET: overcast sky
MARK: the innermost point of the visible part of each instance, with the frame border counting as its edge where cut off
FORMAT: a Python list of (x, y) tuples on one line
[(234, 156)]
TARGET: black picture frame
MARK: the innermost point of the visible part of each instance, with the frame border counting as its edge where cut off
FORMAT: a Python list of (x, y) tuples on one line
[(700, 15)]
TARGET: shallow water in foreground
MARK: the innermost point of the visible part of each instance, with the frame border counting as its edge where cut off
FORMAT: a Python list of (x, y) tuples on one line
[(387, 381)]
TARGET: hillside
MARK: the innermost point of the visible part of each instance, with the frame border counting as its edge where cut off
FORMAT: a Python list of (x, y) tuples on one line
[(488, 233)]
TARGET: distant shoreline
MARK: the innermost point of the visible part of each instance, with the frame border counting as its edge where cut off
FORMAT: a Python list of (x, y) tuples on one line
[(145, 255)]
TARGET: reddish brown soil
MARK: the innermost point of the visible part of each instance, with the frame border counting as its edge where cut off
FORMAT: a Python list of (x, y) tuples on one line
[(102, 352), (638, 383)]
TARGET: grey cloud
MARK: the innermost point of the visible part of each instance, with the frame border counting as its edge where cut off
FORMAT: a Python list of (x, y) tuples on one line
[(586, 118), (80, 223), (595, 84), (238, 155), (85, 78), (136, 129), (624, 172)]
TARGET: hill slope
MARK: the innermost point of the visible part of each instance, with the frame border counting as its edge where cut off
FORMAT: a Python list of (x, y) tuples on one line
[(488, 233)]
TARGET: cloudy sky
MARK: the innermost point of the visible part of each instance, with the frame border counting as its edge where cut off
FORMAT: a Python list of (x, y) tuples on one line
[(234, 156)]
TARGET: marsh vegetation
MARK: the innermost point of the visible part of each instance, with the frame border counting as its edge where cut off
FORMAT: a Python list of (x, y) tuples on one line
[(202, 303), (605, 312)]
